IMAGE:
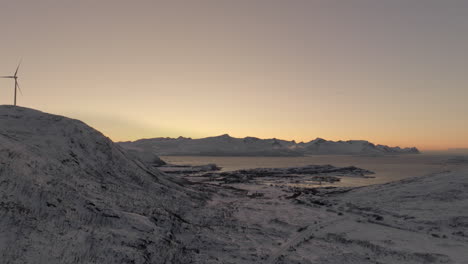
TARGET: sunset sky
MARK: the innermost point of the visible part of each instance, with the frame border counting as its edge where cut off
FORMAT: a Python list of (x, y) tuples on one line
[(389, 71)]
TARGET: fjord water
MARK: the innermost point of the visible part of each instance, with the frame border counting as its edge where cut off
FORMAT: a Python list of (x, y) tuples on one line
[(386, 168)]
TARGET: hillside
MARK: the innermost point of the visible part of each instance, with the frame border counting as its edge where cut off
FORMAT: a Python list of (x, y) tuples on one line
[(70, 195), (226, 145)]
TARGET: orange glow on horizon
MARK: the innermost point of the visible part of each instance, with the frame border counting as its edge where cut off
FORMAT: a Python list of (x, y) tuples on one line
[(383, 72)]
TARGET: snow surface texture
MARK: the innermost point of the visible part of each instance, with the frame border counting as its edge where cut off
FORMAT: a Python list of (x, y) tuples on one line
[(70, 195), (226, 145), (418, 220)]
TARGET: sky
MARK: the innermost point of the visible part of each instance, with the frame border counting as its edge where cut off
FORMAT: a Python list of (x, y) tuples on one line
[(389, 71)]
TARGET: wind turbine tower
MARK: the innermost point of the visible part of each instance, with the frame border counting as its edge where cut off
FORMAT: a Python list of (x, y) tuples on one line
[(15, 76)]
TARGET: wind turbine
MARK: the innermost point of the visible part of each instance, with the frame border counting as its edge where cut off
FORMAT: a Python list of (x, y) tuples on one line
[(15, 76)]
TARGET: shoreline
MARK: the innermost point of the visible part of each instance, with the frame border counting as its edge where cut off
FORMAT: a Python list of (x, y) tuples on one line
[(367, 224)]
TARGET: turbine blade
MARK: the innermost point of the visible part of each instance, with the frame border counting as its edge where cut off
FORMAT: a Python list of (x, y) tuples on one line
[(7, 77), (19, 89), (17, 68)]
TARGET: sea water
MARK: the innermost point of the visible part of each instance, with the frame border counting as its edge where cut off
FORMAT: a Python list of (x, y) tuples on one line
[(387, 168)]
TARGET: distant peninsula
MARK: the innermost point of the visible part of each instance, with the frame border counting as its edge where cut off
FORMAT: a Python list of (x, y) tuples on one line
[(226, 145)]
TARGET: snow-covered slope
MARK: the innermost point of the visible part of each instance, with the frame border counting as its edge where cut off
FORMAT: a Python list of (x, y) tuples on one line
[(70, 195), (226, 145), (351, 147)]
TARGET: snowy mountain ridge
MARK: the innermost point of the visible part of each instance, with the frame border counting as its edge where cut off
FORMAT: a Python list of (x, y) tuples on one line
[(226, 145)]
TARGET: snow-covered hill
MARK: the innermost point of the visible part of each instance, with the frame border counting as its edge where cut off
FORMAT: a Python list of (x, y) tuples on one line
[(70, 195), (226, 145), (351, 147)]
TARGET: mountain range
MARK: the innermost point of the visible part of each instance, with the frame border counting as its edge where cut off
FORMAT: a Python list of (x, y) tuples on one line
[(226, 145)]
